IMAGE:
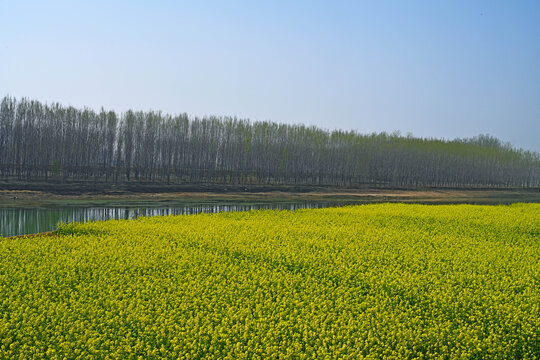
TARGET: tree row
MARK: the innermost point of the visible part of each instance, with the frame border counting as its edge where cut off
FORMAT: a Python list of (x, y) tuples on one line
[(50, 142)]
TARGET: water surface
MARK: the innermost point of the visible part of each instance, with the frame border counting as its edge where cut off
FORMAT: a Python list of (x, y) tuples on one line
[(21, 221)]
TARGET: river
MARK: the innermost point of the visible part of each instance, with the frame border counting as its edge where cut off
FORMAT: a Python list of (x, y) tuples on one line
[(28, 220)]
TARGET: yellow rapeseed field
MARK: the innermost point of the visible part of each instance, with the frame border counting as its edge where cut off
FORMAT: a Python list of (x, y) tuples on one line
[(373, 281)]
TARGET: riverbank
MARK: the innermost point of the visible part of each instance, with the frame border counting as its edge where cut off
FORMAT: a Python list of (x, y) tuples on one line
[(32, 198)]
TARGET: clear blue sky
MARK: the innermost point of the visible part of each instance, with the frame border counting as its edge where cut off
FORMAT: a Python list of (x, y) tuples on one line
[(441, 69)]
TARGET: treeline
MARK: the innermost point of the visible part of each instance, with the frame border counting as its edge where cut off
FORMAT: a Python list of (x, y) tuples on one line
[(40, 142)]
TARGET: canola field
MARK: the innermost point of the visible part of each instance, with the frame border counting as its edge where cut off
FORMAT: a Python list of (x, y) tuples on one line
[(388, 281)]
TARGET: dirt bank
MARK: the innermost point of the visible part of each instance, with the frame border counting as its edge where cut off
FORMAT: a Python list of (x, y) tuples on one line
[(11, 198)]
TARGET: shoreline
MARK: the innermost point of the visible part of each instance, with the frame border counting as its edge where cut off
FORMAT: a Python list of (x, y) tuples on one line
[(35, 198), (45, 233), (27, 199)]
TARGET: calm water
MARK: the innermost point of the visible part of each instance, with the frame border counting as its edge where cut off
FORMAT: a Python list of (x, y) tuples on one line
[(20, 221)]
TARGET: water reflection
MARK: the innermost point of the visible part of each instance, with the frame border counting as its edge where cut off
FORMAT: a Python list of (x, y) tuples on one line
[(19, 221)]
